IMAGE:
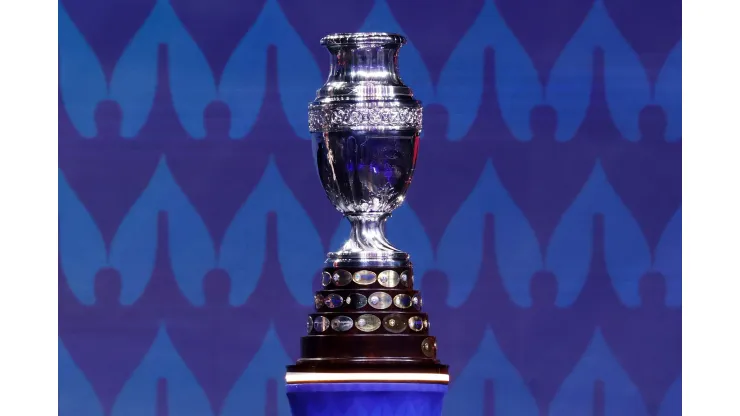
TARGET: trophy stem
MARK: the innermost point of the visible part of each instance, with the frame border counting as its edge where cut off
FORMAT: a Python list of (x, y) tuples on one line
[(368, 235)]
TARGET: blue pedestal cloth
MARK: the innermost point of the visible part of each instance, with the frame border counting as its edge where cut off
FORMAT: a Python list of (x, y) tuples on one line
[(366, 399)]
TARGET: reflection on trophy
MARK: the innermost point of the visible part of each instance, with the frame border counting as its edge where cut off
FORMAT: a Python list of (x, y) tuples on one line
[(368, 329)]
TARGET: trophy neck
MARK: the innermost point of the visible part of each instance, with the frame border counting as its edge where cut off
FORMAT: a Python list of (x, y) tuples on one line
[(363, 67), (367, 245)]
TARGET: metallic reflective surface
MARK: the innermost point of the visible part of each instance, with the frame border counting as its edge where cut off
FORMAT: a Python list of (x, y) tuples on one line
[(380, 300), (342, 323), (417, 302), (364, 277), (333, 301), (416, 323), (405, 279), (342, 277), (363, 69), (325, 279), (402, 301), (429, 347), (367, 323), (388, 278), (356, 300), (365, 126), (321, 324), (394, 323)]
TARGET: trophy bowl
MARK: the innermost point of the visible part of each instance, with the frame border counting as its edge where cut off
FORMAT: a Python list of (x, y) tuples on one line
[(365, 126)]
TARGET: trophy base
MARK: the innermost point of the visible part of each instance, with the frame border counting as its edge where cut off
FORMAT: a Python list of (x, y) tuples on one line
[(368, 319), (354, 398), (368, 326), (369, 369)]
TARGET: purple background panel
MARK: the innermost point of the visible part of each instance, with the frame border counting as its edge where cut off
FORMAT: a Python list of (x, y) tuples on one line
[(550, 161)]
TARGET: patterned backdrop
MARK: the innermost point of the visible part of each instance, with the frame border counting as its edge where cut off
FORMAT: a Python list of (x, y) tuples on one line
[(188, 201)]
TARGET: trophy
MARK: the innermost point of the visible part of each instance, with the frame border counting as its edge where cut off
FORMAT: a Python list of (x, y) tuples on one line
[(368, 337)]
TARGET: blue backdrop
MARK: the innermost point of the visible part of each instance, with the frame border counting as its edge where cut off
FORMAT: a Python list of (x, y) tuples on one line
[(550, 161)]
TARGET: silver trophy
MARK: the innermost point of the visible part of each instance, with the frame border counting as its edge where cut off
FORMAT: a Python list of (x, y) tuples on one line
[(368, 323), (365, 125)]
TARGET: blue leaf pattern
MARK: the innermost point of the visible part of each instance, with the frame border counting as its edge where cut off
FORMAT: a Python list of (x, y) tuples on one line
[(243, 82), (570, 82), (184, 394), (191, 249), (672, 403), (517, 251), (569, 253), (243, 251), (76, 395), (134, 82), (268, 364), (81, 247), (134, 247), (621, 397), (668, 93), (81, 79), (466, 395), (461, 81), (626, 83), (668, 259)]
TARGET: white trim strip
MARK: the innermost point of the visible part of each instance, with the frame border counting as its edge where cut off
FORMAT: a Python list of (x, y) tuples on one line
[(389, 377)]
